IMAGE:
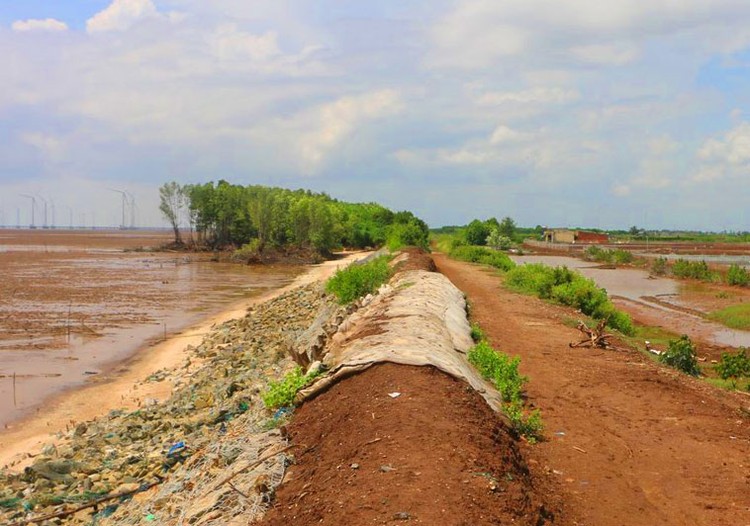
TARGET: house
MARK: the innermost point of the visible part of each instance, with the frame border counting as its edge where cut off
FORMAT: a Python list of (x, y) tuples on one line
[(573, 237)]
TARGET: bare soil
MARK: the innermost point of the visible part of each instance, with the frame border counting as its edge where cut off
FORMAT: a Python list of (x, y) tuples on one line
[(435, 454), (631, 442)]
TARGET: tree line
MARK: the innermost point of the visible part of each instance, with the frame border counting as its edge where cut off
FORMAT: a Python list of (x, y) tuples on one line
[(224, 215)]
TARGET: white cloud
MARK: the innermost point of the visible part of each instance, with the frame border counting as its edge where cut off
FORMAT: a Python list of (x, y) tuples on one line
[(326, 127), (529, 96), (621, 190), (33, 24), (121, 15), (607, 54), (479, 33), (232, 44), (727, 156), (503, 134)]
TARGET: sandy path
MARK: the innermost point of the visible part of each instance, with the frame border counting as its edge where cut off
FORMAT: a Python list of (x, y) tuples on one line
[(633, 443), (122, 388)]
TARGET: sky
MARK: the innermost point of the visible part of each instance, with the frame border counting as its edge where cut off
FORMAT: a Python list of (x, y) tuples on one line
[(553, 112)]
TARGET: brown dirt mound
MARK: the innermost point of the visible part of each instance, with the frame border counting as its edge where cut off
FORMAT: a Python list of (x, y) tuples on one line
[(436, 454), (418, 260)]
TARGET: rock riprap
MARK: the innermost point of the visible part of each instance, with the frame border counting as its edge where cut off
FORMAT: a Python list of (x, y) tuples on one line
[(213, 424)]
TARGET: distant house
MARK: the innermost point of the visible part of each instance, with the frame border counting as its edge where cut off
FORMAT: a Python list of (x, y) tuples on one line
[(573, 237)]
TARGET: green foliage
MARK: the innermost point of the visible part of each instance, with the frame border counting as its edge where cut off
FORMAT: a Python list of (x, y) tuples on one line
[(734, 316), (477, 334), (476, 233), (733, 366), (249, 251), (482, 255), (659, 266), (617, 256), (499, 241), (282, 393), (683, 268), (738, 276), (507, 227), (226, 215), (358, 280), (568, 287), (681, 355), (502, 371)]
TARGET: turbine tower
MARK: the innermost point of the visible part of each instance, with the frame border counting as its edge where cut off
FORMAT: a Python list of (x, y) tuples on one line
[(33, 208), (124, 204)]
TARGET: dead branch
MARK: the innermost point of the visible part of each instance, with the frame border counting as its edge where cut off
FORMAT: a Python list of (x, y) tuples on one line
[(594, 338)]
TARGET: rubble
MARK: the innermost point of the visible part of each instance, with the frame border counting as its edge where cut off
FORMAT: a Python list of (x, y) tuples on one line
[(178, 448)]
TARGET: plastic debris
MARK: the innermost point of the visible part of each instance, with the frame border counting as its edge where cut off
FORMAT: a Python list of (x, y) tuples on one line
[(394, 395)]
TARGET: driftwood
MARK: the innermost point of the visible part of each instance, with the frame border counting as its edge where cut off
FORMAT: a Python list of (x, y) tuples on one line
[(595, 338)]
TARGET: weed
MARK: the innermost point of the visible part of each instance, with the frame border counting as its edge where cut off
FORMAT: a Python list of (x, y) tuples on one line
[(659, 266), (738, 276), (734, 316), (693, 270), (733, 366), (680, 354), (477, 334), (568, 287), (356, 281), (282, 393), (483, 255), (502, 371)]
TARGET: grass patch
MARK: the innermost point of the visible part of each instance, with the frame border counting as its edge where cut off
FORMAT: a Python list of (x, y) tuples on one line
[(734, 316), (482, 255), (502, 371), (567, 287), (283, 392), (357, 280)]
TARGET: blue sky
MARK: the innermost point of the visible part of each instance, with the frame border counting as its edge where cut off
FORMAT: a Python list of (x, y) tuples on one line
[(564, 112)]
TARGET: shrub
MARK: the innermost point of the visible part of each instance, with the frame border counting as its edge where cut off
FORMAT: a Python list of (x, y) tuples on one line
[(622, 257), (738, 275), (358, 280), (502, 371), (733, 366), (567, 287), (659, 266), (476, 232), (485, 256), (681, 355), (498, 241), (477, 334), (692, 269), (283, 392), (249, 251)]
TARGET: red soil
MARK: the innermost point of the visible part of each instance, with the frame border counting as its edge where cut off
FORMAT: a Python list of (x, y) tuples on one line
[(633, 443), (436, 455)]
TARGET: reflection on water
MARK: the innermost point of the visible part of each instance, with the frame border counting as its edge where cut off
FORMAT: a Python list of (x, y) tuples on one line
[(637, 288), (68, 315)]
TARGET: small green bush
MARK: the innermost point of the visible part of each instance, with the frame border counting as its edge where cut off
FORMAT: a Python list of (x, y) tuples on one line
[(659, 266), (498, 241), (502, 371), (680, 354), (601, 255), (622, 257), (282, 393), (738, 276), (692, 270), (477, 334), (567, 287), (733, 366), (482, 255), (358, 280)]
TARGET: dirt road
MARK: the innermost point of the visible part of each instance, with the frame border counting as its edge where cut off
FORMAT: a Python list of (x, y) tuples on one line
[(632, 443)]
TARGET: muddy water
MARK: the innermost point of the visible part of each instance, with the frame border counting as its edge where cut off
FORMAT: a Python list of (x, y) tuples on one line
[(68, 315), (654, 299)]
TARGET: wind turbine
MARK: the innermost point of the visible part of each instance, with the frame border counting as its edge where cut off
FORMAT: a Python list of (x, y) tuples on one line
[(45, 225), (33, 208), (124, 204), (132, 210)]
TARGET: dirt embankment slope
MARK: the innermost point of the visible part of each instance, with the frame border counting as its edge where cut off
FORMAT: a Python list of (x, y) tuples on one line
[(632, 443), (399, 442)]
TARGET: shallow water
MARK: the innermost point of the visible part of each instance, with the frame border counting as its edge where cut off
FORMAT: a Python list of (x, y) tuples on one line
[(68, 315), (633, 290)]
